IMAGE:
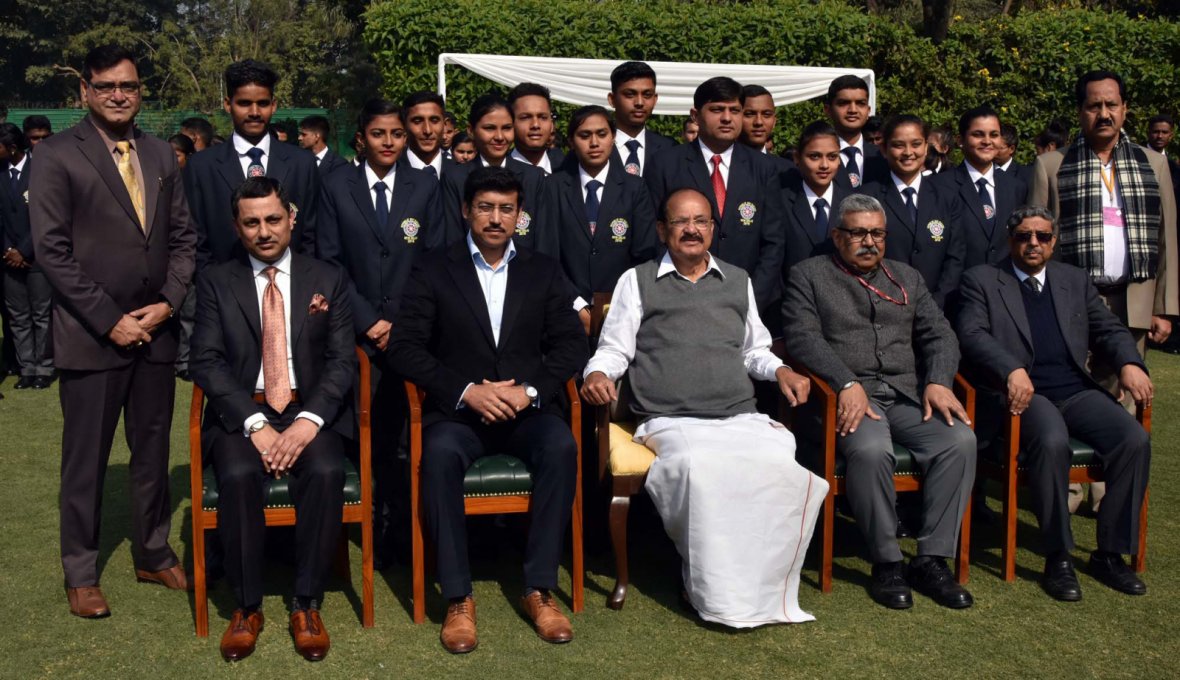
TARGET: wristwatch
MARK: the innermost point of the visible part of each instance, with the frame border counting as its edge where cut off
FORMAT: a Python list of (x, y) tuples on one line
[(848, 384), (256, 427), (531, 392)]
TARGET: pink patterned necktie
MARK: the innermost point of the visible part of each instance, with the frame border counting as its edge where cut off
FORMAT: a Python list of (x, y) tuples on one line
[(274, 345)]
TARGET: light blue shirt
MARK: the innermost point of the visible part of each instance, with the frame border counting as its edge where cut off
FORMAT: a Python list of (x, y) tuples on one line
[(493, 281)]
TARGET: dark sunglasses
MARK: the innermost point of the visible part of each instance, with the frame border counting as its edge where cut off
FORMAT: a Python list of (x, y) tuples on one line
[(1026, 236)]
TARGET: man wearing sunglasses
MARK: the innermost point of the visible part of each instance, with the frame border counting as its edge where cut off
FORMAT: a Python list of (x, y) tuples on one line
[(1026, 326)]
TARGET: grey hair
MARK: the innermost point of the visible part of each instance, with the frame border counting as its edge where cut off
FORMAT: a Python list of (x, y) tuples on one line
[(1024, 212), (857, 203)]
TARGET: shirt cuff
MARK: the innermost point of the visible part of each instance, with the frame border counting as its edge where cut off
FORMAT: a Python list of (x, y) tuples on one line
[(580, 304), (461, 395), (319, 422), (256, 418)]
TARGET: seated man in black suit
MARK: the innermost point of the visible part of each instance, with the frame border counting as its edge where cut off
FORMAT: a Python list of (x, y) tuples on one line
[(276, 407), (1026, 326), (489, 331)]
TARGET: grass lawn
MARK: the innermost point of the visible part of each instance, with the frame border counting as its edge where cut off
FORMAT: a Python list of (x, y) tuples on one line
[(1014, 630)]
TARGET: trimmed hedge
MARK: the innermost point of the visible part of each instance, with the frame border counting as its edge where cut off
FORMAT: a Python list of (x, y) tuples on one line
[(1023, 66)]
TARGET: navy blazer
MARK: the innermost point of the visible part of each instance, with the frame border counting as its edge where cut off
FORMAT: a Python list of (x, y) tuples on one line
[(873, 167), (754, 243), (801, 238), (212, 176), (14, 213), (935, 246), (624, 237), (656, 143), (536, 227), (442, 338), (403, 161), (985, 243), (330, 163), (377, 261)]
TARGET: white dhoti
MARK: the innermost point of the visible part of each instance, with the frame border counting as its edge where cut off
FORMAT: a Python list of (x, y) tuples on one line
[(740, 510)]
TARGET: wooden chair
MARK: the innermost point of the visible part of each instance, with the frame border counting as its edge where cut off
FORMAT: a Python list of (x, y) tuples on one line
[(280, 510), (493, 485), (1002, 462), (905, 474), (622, 462)]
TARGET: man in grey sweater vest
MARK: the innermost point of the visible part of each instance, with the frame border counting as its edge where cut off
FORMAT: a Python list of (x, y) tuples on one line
[(870, 328), (739, 508)]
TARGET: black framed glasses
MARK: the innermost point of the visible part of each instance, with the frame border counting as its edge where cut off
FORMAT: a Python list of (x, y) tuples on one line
[(861, 234)]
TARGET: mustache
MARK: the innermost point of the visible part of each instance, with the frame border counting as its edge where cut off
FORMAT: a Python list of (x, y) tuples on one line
[(687, 238), (868, 250)]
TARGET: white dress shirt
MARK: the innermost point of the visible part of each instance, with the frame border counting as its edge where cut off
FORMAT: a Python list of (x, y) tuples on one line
[(989, 176), (319, 157), (616, 345), (242, 146), (860, 157), (283, 281), (621, 139), (1007, 165), (371, 178), (901, 186), (1115, 266), (487, 164), (20, 168), (1039, 276), (418, 163), (493, 281), (544, 165), (829, 196), (726, 160)]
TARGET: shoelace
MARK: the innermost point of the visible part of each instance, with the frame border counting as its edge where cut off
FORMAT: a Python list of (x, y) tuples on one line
[(463, 607), (547, 601), (313, 623)]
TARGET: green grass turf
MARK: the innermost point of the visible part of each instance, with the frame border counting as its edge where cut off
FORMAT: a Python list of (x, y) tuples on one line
[(1014, 630)]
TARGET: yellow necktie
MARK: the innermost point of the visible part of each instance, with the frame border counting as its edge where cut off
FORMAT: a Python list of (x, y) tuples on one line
[(127, 172)]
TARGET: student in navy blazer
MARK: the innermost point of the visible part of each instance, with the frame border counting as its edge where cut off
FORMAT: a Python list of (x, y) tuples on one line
[(624, 233), (807, 231), (212, 175), (424, 114), (491, 128), (758, 121), (633, 97), (748, 233), (847, 106), (984, 233), (933, 243)]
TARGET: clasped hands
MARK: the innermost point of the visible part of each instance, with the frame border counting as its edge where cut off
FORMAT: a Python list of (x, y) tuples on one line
[(280, 450), (496, 402), (136, 327)]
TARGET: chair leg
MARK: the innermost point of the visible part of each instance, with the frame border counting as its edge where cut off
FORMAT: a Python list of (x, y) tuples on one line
[(826, 544), (343, 569), (578, 566), (619, 508), (367, 569), (418, 591), (1010, 511), (199, 595), (1141, 555), (963, 565)]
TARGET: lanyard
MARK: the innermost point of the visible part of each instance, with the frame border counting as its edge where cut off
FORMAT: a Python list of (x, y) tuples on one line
[(905, 297), (1108, 181)]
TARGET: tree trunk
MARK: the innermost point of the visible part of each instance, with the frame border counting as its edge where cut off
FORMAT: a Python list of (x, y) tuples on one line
[(936, 18)]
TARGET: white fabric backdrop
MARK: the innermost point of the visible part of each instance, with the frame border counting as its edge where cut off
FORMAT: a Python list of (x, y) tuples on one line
[(587, 81)]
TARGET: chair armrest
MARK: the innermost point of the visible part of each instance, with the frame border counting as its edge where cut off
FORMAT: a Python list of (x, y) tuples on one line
[(966, 396), (196, 464), (365, 425), (599, 306), (1143, 415), (825, 398)]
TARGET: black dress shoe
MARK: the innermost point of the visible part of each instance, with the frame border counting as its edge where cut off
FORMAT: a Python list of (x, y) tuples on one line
[(1110, 569), (42, 382), (931, 577), (25, 382), (888, 587), (1059, 579)]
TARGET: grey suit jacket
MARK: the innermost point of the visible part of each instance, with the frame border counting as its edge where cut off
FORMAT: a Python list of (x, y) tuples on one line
[(993, 326), (842, 331), (1147, 298), (89, 243)]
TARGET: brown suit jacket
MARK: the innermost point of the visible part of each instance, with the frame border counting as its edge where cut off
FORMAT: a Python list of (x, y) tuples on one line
[(88, 241), (1158, 297)]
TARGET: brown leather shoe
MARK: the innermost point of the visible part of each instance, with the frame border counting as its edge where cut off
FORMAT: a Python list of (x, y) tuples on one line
[(551, 624), (87, 602), (311, 638), (458, 630), (238, 641), (172, 578)]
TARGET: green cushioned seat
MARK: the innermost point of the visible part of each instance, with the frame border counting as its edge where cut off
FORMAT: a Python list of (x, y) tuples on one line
[(278, 492), (498, 475), (904, 466), (1083, 454)]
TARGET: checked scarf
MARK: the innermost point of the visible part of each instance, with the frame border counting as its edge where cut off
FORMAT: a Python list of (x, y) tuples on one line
[(1080, 189)]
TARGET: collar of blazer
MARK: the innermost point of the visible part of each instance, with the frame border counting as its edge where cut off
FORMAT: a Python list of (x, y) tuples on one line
[(741, 177), (92, 146), (404, 180), (570, 182), (462, 271), (246, 294), (277, 162)]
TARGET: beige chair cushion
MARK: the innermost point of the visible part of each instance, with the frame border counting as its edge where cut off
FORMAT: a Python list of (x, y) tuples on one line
[(628, 459)]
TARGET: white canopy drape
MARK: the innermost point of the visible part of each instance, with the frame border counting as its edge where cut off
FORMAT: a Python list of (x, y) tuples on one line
[(587, 81)]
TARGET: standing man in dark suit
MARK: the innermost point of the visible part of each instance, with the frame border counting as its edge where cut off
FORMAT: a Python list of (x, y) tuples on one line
[(314, 132), (212, 175), (424, 116), (739, 182), (633, 97), (608, 223), (986, 194), (1006, 155), (375, 221), (847, 106), (27, 294), (273, 350), (532, 116), (1026, 327), (111, 231), (488, 331), (758, 121), (922, 217)]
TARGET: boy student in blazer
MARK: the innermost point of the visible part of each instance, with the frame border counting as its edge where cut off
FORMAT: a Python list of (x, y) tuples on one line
[(273, 350), (847, 106), (607, 221), (811, 194), (492, 130), (633, 97), (740, 183), (534, 122), (758, 121), (922, 218), (375, 221), (424, 116), (314, 132), (986, 194), (212, 175)]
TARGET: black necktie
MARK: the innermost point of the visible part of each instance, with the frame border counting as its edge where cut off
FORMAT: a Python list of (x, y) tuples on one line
[(989, 209), (382, 205), (909, 193), (821, 218), (632, 163), (592, 204), (1033, 285), (15, 180), (850, 153), (255, 168), (431, 171)]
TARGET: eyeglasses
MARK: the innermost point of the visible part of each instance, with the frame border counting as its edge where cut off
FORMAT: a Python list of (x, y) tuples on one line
[(489, 208), (702, 223), (106, 89), (861, 234), (1026, 236)]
